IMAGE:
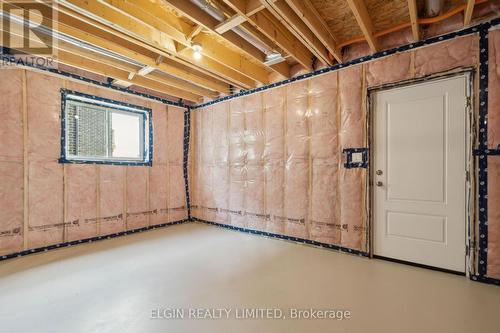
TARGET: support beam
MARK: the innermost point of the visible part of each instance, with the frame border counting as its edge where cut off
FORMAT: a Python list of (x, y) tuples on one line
[(306, 11), (360, 12), (298, 28), (230, 23), (468, 12), (272, 28), (415, 28)]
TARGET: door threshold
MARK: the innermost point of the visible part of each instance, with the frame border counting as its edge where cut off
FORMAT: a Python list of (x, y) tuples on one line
[(399, 261)]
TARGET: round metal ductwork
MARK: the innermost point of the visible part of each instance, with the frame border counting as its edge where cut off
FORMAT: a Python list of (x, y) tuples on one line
[(433, 7)]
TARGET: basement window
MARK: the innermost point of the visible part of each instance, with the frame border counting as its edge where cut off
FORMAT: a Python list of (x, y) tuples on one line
[(102, 131)]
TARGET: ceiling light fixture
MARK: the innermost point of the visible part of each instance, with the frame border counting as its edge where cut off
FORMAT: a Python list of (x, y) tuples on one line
[(197, 48)]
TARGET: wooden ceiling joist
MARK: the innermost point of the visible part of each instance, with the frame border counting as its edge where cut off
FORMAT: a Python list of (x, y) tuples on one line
[(468, 12), (98, 11), (151, 43), (246, 27), (273, 29), (415, 28), (306, 11), (200, 17), (187, 89), (120, 70), (237, 62), (298, 28), (117, 74), (360, 12), (127, 17), (94, 33), (135, 53)]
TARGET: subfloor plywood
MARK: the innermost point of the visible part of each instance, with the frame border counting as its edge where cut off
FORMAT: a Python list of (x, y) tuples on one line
[(113, 286)]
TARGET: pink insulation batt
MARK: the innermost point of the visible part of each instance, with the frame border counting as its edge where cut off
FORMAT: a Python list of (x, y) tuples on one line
[(66, 202), (272, 161), (493, 269), (11, 161)]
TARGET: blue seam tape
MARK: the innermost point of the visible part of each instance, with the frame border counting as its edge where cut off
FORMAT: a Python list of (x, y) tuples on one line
[(290, 238), (88, 240), (350, 164), (147, 112), (483, 159), (187, 135)]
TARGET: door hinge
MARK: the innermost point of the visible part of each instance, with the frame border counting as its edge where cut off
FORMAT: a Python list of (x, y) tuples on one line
[(468, 101)]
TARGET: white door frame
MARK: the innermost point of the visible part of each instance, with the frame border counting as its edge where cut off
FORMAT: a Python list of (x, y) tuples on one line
[(469, 74)]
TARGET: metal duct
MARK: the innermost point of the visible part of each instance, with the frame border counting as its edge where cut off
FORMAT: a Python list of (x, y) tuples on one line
[(214, 12), (433, 7), (70, 40), (219, 16)]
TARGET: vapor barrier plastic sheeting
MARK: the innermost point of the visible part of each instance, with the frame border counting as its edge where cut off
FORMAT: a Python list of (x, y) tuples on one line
[(272, 161), (493, 269), (67, 202)]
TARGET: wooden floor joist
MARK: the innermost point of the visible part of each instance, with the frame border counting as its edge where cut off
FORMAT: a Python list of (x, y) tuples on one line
[(298, 28), (211, 24), (108, 71), (85, 29), (306, 11), (468, 12), (415, 28), (130, 16), (171, 85), (151, 38), (360, 12), (273, 29), (153, 41)]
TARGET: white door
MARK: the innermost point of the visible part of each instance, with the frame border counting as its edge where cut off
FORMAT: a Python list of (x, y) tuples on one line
[(419, 173)]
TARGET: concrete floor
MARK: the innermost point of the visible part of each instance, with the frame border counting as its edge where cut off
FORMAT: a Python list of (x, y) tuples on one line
[(114, 285)]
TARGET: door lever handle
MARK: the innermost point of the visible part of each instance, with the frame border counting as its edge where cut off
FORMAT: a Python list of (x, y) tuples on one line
[(379, 183)]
